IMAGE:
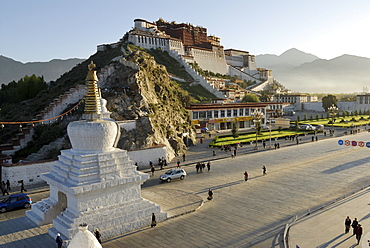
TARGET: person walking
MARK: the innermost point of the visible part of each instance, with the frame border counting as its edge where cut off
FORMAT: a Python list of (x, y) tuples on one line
[(152, 169), (22, 187), (208, 166), (214, 153), (183, 157), (197, 166), (8, 185), (347, 224), (354, 225), (210, 194), (178, 163), (154, 220), (264, 170), (358, 232), (59, 240), (97, 235), (245, 176)]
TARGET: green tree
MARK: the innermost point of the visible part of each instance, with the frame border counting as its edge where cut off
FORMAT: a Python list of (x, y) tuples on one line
[(250, 98), (317, 117), (328, 101), (305, 117), (311, 117), (298, 118), (235, 130)]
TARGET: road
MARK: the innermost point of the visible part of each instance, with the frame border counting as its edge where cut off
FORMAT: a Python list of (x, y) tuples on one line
[(253, 213)]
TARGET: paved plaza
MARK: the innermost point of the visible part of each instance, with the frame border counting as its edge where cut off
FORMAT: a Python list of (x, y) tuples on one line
[(246, 214)]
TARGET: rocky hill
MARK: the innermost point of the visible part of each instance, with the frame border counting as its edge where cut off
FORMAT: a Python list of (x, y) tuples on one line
[(138, 88)]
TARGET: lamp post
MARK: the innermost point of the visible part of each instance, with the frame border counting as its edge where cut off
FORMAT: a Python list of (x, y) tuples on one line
[(332, 112), (257, 116)]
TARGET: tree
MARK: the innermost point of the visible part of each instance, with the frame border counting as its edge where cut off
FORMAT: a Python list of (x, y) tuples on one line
[(317, 117), (328, 101), (235, 130), (250, 98)]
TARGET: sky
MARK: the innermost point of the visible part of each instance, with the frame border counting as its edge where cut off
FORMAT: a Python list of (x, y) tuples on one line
[(42, 30)]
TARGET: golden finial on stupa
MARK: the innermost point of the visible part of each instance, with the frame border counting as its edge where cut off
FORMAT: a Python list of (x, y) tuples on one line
[(92, 100)]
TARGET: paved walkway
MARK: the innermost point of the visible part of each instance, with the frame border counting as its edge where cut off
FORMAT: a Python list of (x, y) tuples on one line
[(20, 232)]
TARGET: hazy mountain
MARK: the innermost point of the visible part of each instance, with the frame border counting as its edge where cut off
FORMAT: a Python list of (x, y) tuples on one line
[(303, 72), (14, 70)]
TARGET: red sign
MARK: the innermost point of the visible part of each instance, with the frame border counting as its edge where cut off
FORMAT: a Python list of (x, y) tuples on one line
[(347, 142)]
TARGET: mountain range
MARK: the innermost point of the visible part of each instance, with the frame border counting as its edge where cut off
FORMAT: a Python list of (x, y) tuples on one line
[(296, 70), (307, 73), (14, 70)]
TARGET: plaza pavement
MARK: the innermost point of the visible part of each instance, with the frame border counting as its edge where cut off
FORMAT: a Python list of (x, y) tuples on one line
[(324, 227)]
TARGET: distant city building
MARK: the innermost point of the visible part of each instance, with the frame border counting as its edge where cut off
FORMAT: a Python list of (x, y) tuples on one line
[(221, 115)]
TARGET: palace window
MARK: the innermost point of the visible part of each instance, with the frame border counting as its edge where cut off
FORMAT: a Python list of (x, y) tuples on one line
[(235, 112), (195, 115), (222, 113), (215, 113), (229, 113), (241, 112), (209, 114)]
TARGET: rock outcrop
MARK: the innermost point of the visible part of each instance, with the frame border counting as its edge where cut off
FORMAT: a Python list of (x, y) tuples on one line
[(140, 89)]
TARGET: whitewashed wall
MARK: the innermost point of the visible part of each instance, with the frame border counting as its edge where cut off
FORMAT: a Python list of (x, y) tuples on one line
[(30, 172)]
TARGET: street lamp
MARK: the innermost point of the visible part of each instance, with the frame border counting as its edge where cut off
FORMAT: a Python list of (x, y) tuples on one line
[(332, 112), (257, 116)]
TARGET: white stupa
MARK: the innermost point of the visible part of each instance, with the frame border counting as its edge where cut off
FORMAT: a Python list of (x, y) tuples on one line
[(94, 182), (84, 238)]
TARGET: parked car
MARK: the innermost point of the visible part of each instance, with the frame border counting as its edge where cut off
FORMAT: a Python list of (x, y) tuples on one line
[(173, 174), (15, 201), (306, 127)]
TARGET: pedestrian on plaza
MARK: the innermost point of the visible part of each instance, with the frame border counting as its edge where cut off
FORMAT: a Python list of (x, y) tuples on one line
[(235, 152), (161, 165), (214, 153), (354, 225), (210, 194), (183, 157), (152, 169), (317, 138), (4, 190), (278, 145), (313, 138), (197, 166), (264, 170), (209, 166), (275, 146), (22, 187), (347, 224), (178, 163), (97, 235), (164, 161), (150, 163), (264, 144), (245, 176), (358, 233), (232, 154), (8, 185), (59, 241), (154, 220), (203, 166), (201, 140)]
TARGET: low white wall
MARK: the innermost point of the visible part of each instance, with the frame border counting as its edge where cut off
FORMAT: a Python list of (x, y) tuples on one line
[(29, 173), (143, 156)]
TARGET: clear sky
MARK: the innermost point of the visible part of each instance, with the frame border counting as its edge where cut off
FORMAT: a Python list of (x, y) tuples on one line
[(41, 30)]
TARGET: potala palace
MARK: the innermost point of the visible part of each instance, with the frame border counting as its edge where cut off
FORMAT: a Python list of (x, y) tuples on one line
[(191, 45)]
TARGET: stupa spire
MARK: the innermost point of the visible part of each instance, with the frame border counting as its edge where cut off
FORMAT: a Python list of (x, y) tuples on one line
[(92, 100)]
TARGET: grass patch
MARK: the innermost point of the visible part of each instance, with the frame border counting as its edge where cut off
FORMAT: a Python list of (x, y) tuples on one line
[(347, 121), (247, 137)]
